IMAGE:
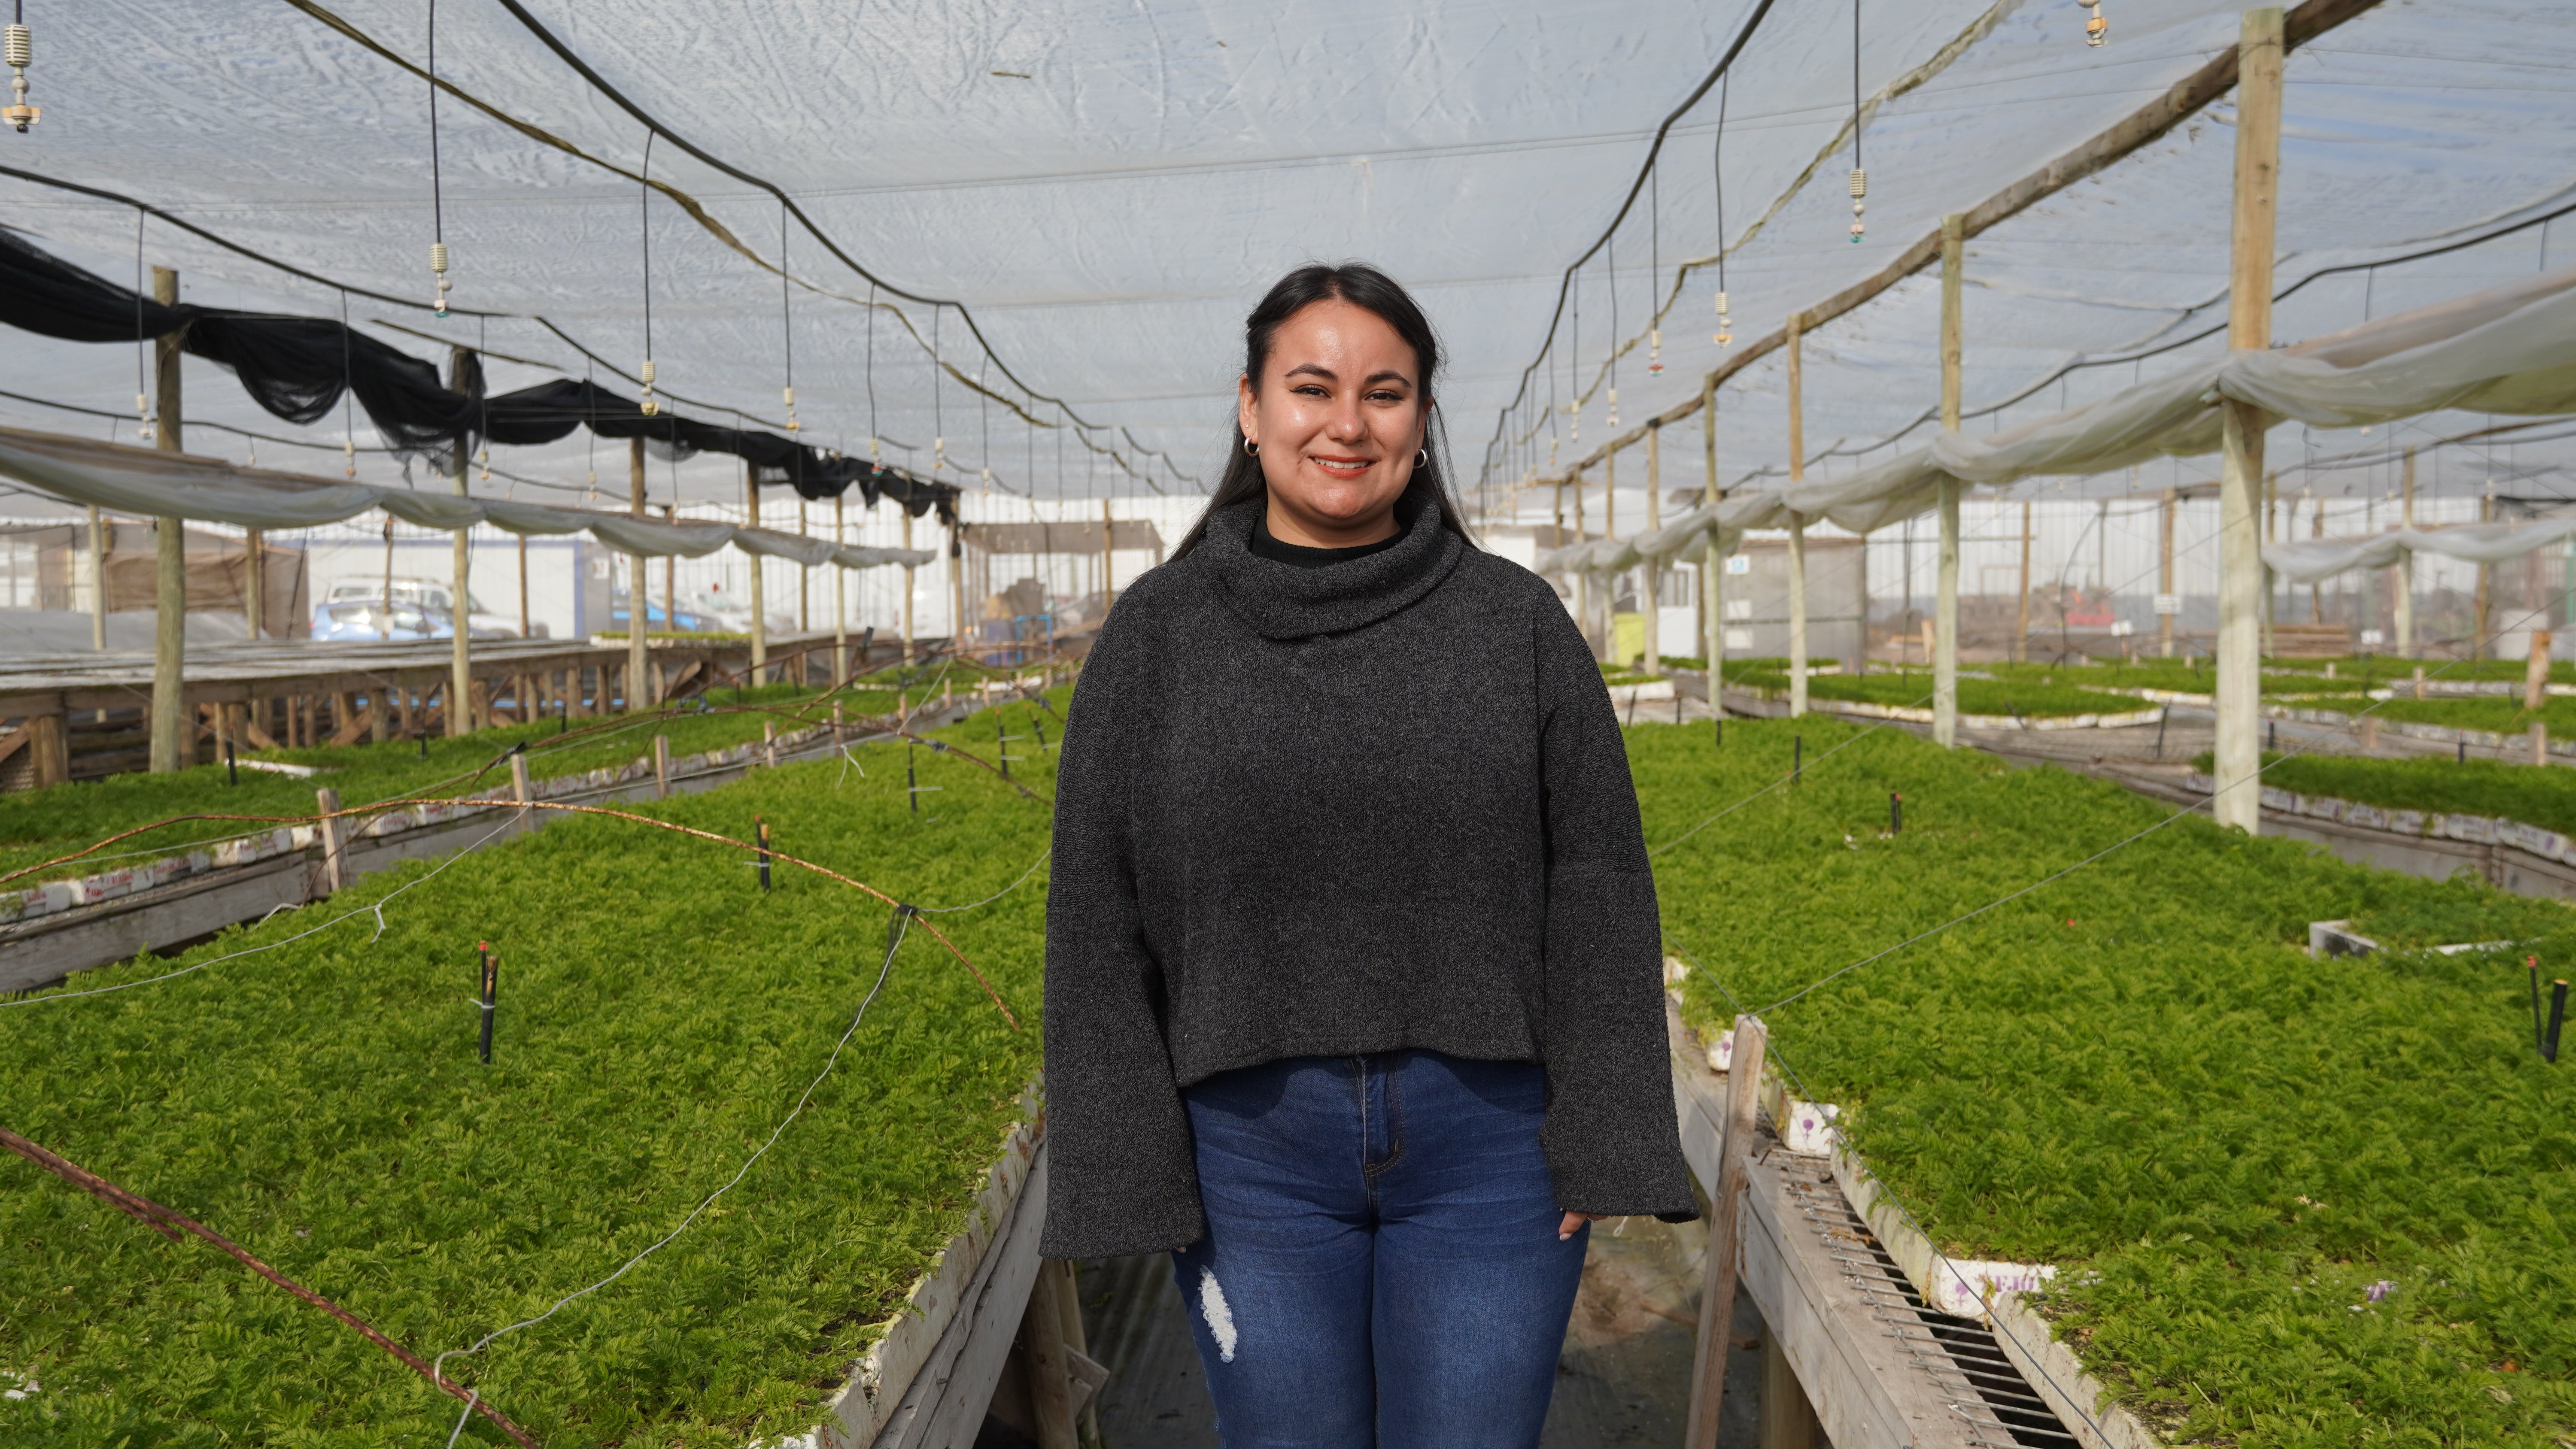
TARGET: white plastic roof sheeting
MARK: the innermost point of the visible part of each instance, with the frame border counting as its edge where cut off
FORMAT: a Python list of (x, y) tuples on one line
[(156, 484), (2308, 560), (1111, 207)]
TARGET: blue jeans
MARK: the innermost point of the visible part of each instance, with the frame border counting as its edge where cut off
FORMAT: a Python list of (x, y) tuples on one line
[(1381, 1268)]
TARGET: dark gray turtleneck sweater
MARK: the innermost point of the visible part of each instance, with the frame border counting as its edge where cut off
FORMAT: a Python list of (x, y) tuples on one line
[(1373, 805)]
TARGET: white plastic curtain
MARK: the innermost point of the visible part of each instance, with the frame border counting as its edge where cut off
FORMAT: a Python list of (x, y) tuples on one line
[(153, 484), (2509, 349)]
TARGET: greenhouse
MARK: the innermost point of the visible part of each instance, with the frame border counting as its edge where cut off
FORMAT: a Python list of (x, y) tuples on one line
[(639, 643)]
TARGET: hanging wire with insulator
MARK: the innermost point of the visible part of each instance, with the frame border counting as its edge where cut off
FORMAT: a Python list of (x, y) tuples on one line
[(21, 53)]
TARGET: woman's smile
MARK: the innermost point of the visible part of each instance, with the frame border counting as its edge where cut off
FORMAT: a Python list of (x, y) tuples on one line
[(1339, 465)]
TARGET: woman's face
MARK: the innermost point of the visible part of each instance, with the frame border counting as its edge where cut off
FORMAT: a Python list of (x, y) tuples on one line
[(1338, 416)]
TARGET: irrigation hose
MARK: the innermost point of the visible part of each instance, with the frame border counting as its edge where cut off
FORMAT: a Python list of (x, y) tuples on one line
[(171, 1225)]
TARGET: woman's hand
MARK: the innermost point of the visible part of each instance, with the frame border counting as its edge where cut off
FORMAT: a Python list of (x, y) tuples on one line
[(1565, 1229)]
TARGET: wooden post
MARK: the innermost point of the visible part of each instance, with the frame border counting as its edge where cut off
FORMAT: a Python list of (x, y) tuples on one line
[(905, 511), (1797, 524), (661, 767), (1108, 547), (1725, 1234), (2406, 569), (2249, 328), (2271, 535), (334, 832), (527, 626), (1050, 1373), (2486, 589), (840, 596), (1945, 598), (1712, 559), (1583, 577), (639, 590), (98, 527), (174, 734), (670, 577), (1786, 1420), (254, 583), (2021, 615), (1650, 593), (519, 789), (460, 659), (2165, 577), (2535, 674), (804, 590)]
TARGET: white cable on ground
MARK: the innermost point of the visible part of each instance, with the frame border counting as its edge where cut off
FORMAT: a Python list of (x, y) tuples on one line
[(995, 896), (895, 932)]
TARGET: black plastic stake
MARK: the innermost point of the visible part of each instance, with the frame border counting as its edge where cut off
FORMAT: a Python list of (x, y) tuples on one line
[(423, 738), (232, 775), (1002, 743), (1797, 756), (1895, 813), (563, 716), (2161, 716), (2464, 752), (2272, 740), (2557, 1017), (1041, 728), (1718, 738), (911, 781), (1677, 706), (760, 829), (491, 994)]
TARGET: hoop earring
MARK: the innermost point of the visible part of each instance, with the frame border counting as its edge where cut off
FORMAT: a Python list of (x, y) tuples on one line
[(1251, 449), (1422, 457)]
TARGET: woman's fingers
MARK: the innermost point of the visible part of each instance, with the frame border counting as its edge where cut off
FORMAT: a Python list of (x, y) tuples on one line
[(1565, 1229)]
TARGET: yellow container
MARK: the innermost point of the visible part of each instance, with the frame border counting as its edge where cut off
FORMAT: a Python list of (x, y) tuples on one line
[(1627, 638)]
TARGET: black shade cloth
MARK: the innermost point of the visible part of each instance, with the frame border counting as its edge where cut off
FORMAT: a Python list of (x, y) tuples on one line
[(297, 368)]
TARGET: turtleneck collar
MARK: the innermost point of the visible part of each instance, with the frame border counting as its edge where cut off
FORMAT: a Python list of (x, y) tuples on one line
[(1283, 601)]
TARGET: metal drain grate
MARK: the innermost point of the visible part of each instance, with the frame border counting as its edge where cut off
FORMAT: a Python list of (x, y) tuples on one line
[(1959, 1355)]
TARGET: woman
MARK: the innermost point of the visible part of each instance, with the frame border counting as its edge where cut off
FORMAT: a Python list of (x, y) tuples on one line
[(1353, 999)]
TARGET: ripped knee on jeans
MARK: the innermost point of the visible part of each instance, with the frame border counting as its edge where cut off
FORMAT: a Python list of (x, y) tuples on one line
[(1219, 1316)]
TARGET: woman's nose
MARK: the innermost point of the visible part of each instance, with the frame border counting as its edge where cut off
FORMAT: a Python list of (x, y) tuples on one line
[(1346, 425)]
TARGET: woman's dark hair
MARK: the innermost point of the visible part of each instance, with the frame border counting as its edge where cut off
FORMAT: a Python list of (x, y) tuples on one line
[(1371, 290)]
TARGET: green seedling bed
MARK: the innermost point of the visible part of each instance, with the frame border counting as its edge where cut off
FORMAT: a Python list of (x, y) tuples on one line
[(2026, 699), (2293, 1202), (322, 1105), (39, 825)]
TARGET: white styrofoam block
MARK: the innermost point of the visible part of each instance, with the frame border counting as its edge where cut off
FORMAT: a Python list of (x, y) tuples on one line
[(1963, 1288), (1810, 1128), (1721, 1052), (57, 894)]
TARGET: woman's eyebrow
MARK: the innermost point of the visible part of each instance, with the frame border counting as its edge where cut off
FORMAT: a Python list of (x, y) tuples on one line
[(1316, 368)]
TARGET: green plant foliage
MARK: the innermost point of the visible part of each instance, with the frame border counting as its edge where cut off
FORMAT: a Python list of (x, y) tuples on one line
[(2028, 699), (39, 825), (2502, 714), (2543, 796), (2138, 1074), (322, 1105)]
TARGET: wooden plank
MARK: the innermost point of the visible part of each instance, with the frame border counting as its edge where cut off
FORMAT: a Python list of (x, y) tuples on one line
[(2214, 79), (1866, 1392), (944, 1406), (1717, 1290)]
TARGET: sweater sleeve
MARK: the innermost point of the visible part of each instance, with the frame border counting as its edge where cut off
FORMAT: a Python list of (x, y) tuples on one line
[(1122, 1173), (1612, 1140)]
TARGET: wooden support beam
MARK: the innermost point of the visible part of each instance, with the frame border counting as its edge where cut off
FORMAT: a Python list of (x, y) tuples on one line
[(1945, 603), (460, 652), (2141, 127), (173, 742), (2239, 676), (1725, 1234), (1797, 525), (759, 588)]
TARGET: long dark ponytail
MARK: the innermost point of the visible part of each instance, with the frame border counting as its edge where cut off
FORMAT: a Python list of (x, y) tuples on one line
[(1371, 290)]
